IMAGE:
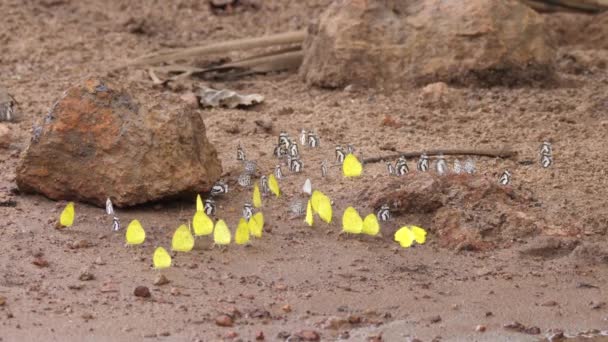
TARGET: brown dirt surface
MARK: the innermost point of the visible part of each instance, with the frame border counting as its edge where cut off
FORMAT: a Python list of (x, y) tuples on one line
[(307, 283)]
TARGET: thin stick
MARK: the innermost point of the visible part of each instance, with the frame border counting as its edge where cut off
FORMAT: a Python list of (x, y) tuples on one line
[(503, 153), (292, 37)]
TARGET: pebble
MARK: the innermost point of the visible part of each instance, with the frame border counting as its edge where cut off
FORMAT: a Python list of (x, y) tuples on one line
[(435, 319), (231, 335), (99, 261), (142, 291), (40, 262), (259, 336), (108, 287), (83, 243), (480, 328), (86, 275), (224, 321), (161, 280), (309, 335), (2, 300), (5, 136), (286, 308), (175, 291)]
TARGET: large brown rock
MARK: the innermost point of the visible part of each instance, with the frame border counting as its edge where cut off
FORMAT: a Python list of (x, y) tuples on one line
[(99, 141), (391, 43)]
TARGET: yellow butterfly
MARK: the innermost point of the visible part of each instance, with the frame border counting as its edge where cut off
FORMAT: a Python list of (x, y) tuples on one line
[(199, 203), (161, 259), (135, 234), (256, 225), (257, 197), (67, 215), (315, 199), (273, 184), (241, 236), (351, 166), (408, 234), (182, 241), (351, 221), (202, 224), (309, 216), (325, 211), (221, 233), (371, 225), (419, 234)]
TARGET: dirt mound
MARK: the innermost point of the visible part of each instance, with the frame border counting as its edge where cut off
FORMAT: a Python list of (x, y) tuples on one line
[(463, 211), (388, 43)]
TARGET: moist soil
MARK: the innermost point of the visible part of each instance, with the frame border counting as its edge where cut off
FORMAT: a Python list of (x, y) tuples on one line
[(78, 283)]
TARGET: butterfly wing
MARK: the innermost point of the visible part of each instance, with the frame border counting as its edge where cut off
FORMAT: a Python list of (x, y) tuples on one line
[(182, 241), (255, 225), (199, 203), (351, 166), (241, 236), (67, 215), (325, 210), (273, 184), (309, 216), (161, 259), (405, 237), (351, 221), (202, 224), (307, 188), (419, 234), (371, 225), (257, 196), (221, 233), (135, 233)]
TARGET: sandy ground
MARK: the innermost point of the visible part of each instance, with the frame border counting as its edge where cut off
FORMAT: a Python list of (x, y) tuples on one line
[(297, 278)]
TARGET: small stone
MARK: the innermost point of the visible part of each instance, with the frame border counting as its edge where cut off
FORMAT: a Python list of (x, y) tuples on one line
[(309, 335), (142, 291), (76, 286), (175, 291), (5, 136), (259, 336), (514, 326), (480, 328), (86, 275), (532, 330), (165, 334), (286, 308), (224, 321), (231, 335), (354, 319), (161, 280), (40, 262), (550, 303), (83, 243), (87, 316), (108, 287), (2, 300), (99, 261), (435, 319)]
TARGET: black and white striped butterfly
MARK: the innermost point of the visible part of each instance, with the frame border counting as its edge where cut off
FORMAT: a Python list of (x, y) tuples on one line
[(250, 166), (546, 148), (219, 188), (390, 168), (441, 166), (209, 207), (469, 166), (297, 207), (115, 224), (350, 149), (457, 167), (505, 178), (423, 163), (264, 185), (296, 166), (277, 172), (340, 154), (244, 180), (109, 207), (303, 139), (293, 149), (280, 151), (313, 140), (384, 214), (546, 160), (247, 211), (324, 169), (240, 154), (401, 166), (284, 139)]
